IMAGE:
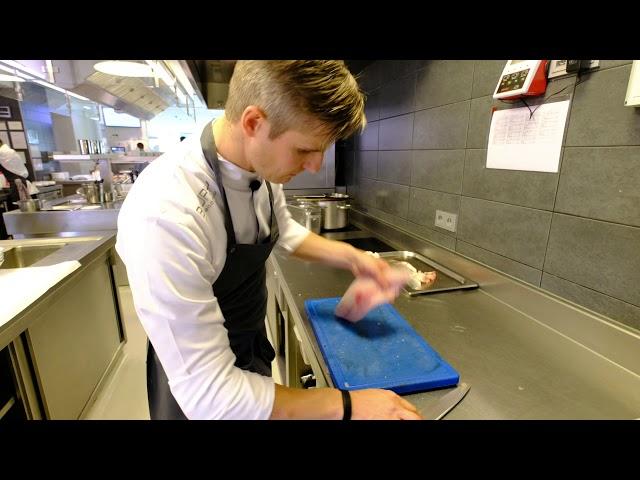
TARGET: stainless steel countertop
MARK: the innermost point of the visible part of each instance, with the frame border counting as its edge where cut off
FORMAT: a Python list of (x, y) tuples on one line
[(85, 249), (520, 363), (96, 217)]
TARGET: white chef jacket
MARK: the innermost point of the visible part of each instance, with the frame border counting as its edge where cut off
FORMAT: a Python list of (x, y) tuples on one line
[(172, 239)]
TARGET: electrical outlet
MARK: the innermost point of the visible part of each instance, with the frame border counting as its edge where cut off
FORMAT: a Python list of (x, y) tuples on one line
[(558, 68), (446, 220)]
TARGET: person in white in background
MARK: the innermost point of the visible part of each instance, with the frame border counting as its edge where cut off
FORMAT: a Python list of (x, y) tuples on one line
[(10, 160), (197, 227), (12, 167)]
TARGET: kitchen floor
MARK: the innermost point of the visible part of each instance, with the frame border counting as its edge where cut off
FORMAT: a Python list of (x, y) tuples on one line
[(124, 393)]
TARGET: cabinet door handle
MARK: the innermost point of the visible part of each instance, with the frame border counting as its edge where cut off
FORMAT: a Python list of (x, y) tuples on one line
[(308, 381), (299, 338)]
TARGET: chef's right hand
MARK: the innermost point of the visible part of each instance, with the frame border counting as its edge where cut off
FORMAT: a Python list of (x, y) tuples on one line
[(378, 404)]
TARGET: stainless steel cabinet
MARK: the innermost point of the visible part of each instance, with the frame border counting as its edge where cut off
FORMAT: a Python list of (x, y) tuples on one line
[(294, 352), (76, 343)]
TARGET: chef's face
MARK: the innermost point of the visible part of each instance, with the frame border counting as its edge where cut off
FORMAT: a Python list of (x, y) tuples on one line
[(280, 159)]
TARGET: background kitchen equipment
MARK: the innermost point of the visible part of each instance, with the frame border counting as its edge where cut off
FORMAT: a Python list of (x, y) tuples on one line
[(60, 176), (308, 215), (91, 192), (30, 205), (335, 214), (333, 207)]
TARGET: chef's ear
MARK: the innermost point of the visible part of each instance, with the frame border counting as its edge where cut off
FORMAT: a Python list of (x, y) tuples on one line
[(253, 120)]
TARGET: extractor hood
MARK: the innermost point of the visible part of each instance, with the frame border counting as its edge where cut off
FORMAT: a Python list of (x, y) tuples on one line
[(143, 98), (211, 78)]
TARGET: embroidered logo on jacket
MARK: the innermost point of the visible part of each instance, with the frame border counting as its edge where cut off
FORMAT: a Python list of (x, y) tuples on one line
[(205, 198)]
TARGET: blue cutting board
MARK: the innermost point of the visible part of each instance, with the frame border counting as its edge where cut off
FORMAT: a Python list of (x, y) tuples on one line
[(380, 351)]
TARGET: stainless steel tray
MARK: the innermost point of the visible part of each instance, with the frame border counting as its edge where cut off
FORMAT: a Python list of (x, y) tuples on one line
[(445, 279)]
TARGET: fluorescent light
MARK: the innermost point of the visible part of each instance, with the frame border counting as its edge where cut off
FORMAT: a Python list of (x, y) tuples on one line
[(124, 68), (10, 78)]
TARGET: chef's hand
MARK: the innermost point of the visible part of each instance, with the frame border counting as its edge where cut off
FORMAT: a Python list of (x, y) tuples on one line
[(363, 264), (378, 404)]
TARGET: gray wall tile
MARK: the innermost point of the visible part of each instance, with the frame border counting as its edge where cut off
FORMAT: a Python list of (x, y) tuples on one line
[(480, 122), (441, 127), (446, 241), (424, 203), (367, 163), (393, 69), (396, 133), (504, 264), (486, 74), (395, 166), (397, 97), (367, 190), (517, 233), (611, 63), (599, 255), (598, 114), (372, 106), (611, 307), (350, 168), (368, 140), (528, 189), (438, 170), (443, 82), (505, 216), (601, 183), (418, 230), (371, 77), (392, 198)]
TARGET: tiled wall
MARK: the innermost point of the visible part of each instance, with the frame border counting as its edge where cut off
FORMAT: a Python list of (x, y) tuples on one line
[(575, 233)]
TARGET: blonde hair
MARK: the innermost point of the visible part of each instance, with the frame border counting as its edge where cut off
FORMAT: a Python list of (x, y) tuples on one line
[(293, 91)]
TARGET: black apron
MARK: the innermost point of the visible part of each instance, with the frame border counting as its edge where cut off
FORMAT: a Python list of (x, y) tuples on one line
[(241, 291)]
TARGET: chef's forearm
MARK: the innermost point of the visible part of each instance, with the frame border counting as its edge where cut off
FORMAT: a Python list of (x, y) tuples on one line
[(312, 404), (319, 249)]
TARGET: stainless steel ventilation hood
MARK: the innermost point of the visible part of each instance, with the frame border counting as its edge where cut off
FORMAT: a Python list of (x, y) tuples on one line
[(143, 98), (211, 78)]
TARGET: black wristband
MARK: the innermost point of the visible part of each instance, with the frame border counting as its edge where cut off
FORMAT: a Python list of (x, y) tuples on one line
[(346, 404)]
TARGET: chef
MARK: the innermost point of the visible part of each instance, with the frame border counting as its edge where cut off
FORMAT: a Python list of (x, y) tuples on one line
[(13, 167), (195, 232)]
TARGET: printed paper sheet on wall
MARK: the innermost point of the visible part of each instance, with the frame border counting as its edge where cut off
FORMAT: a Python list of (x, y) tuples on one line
[(520, 141)]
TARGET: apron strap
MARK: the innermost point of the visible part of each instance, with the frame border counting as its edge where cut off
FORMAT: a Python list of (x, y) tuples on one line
[(211, 154)]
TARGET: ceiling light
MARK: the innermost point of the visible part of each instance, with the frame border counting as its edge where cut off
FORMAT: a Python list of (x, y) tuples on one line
[(124, 68), (10, 78)]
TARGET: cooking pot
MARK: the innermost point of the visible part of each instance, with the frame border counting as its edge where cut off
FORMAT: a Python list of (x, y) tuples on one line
[(333, 206), (334, 214), (31, 205), (91, 191)]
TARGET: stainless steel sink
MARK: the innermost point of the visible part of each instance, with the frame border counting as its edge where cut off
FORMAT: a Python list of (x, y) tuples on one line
[(25, 256)]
